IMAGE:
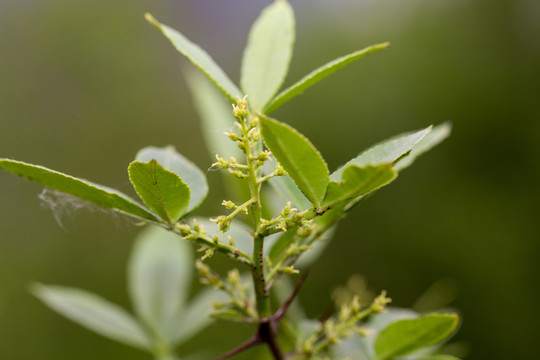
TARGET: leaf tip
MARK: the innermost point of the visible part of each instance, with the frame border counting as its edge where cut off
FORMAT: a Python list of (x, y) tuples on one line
[(152, 20)]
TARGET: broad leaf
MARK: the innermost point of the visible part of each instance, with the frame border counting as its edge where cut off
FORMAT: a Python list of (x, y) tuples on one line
[(405, 336), (196, 315), (358, 181), (97, 194), (268, 53), (318, 74), (159, 276), (199, 58), (298, 157), (436, 136), (170, 159), (385, 152), (160, 189), (94, 313)]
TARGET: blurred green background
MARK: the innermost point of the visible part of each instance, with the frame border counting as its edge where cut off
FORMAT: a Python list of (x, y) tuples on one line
[(85, 84)]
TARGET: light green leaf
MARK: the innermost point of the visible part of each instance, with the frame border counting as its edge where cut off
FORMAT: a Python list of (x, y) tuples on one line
[(268, 53), (215, 114), (405, 336), (358, 181), (94, 313), (436, 136), (286, 188), (386, 152), (160, 189), (159, 276), (318, 74), (170, 159), (97, 194), (298, 157), (196, 316), (199, 58)]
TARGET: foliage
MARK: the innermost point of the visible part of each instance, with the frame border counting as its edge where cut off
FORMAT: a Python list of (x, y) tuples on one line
[(291, 203)]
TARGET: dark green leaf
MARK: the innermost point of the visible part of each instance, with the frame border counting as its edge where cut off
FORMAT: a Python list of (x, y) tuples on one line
[(386, 152), (358, 181), (159, 277), (161, 190), (100, 195), (94, 313), (318, 74), (298, 157), (268, 54), (171, 160), (199, 58), (405, 336)]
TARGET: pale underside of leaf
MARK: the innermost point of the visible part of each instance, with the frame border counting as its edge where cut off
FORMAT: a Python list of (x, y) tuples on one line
[(268, 53), (299, 158), (160, 189), (172, 160), (435, 137), (159, 277), (385, 152), (94, 313), (199, 58), (97, 194), (319, 74)]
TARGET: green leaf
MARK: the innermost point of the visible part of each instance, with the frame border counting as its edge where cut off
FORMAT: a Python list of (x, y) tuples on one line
[(436, 136), (385, 152), (285, 187), (298, 157), (161, 190), (97, 194), (199, 58), (268, 53), (215, 114), (196, 316), (171, 160), (159, 276), (358, 181), (94, 313), (318, 74), (437, 357), (405, 336)]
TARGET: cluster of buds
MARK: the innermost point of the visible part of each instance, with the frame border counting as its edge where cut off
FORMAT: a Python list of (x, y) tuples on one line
[(223, 222), (239, 307), (208, 277)]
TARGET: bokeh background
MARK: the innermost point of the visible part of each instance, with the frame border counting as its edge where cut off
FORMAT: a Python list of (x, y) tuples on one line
[(85, 84)]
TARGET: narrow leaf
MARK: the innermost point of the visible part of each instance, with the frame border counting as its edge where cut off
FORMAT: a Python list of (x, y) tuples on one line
[(268, 53), (171, 160), (199, 58), (286, 188), (215, 114), (159, 276), (97, 194), (94, 313), (196, 316), (405, 336), (435, 137), (358, 181), (318, 74), (385, 152), (298, 157), (160, 189)]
